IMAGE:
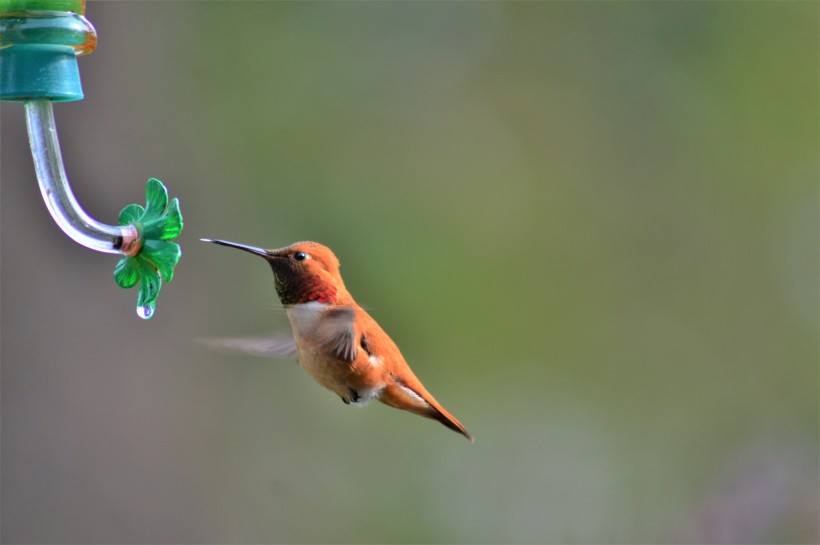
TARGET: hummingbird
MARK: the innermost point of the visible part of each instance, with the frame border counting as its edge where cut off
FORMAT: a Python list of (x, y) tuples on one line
[(336, 341)]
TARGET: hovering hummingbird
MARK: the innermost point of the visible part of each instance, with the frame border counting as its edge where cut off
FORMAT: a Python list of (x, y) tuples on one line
[(334, 339)]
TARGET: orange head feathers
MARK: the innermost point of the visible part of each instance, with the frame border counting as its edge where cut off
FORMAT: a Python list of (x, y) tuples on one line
[(303, 272)]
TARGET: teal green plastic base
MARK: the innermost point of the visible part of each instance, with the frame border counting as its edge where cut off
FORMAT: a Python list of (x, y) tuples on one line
[(36, 71)]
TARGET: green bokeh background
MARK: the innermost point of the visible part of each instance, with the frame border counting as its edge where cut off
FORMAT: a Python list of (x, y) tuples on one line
[(591, 228)]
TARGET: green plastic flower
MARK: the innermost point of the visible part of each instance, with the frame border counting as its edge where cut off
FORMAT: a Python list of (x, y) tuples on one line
[(157, 223)]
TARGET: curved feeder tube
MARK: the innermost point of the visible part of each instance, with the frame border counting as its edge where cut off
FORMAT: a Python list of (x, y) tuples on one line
[(60, 201), (39, 43)]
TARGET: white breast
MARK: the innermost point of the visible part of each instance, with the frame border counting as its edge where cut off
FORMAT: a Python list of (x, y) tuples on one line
[(304, 317)]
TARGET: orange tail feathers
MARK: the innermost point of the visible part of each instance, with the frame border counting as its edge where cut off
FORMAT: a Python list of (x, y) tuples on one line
[(450, 421), (421, 403)]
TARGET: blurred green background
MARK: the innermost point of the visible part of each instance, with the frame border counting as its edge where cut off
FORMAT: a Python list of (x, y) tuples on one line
[(591, 227)]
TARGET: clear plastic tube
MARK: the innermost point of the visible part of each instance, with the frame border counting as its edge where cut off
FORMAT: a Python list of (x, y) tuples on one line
[(60, 201)]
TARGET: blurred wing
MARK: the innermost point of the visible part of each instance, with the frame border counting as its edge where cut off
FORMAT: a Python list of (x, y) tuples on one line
[(279, 346), (336, 330)]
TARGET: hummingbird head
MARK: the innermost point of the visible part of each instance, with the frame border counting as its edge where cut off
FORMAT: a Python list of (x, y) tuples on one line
[(303, 272)]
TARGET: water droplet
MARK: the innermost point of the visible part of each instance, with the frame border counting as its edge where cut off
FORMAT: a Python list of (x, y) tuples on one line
[(145, 312)]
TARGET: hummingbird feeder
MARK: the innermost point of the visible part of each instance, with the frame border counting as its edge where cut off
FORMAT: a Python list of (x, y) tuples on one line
[(40, 41)]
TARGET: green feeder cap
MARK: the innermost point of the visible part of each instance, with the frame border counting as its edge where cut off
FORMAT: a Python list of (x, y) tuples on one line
[(39, 44)]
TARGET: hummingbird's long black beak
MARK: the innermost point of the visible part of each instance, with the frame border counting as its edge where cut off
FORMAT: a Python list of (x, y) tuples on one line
[(252, 249)]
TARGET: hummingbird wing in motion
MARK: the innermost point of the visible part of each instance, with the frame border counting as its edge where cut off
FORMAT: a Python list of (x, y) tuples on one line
[(277, 346), (337, 331)]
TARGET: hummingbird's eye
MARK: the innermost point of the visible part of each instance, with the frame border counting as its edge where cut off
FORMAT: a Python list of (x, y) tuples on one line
[(299, 256)]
